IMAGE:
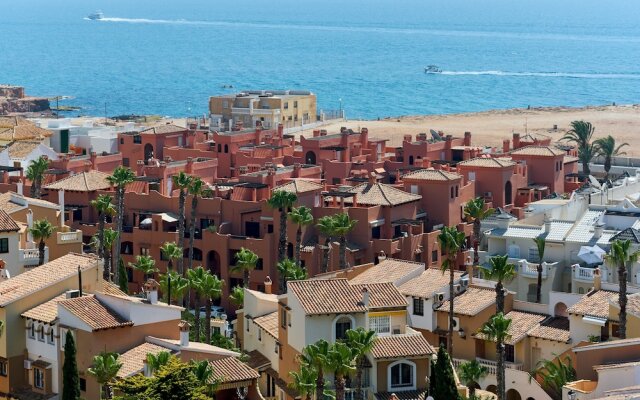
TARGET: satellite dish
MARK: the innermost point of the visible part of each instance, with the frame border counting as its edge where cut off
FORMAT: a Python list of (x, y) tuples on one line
[(594, 182)]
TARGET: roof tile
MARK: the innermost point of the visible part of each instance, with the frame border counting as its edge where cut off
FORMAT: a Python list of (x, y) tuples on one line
[(471, 302), (427, 283), (486, 162), (268, 322), (431, 174), (380, 194), (133, 359), (46, 312), (548, 151), (299, 186), (7, 224), (556, 329), (401, 346), (389, 270), (93, 313), (230, 369), (82, 182), (594, 304)]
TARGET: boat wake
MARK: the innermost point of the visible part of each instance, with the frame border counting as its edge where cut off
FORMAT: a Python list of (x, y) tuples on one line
[(547, 74)]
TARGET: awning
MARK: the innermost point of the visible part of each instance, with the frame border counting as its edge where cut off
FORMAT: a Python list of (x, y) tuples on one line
[(376, 222), (169, 217), (594, 320), (380, 171)]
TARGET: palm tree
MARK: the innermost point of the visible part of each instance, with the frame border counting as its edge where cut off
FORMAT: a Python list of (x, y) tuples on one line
[(210, 288), (105, 208), (181, 181), (196, 188), (290, 271), (203, 371), (120, 178), (325, 226), (340, 361), (316, 356), (555, 374), (581, 133), (500, 271), (146, 265), (35, 173), (620, 254), (246, 261), (171, 251), (301, 216), (606, 147), (195, 277), (304, 381), (451, 242), (470, 373), (540, 242), (474, 210), (282, 201), (497, 328), (105, 369), (342, 225), (110, 236), (157, 361), (237, 296), (361, 342), (179, 286), (40, 231)]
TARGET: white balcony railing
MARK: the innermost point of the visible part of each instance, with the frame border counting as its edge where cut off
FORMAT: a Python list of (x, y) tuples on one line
[(584, 274), (69, 237), (31, 257), (530, 270), (491, 366)]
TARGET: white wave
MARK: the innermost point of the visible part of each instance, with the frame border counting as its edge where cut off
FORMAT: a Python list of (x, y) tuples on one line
[(547, 74)]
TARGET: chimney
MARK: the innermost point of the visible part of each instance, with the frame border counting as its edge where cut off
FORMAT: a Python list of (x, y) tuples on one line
[(29, 226), (268, 283), (184, 326), (145, 368), (365, 297), (467, 138), (316, 132), (19, 186), (506, 146), (547, 224), (296, 170), (80, 281), (516, 140), (469, 265), (189, 167), (597, 279), (373, 178), (354, 201), (598, 230), (151, 289), (93, 157), (407, 138), (61, 203)]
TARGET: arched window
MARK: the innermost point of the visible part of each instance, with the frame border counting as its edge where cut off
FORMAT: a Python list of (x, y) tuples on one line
[(401, 376), (310, 158), (341, 325), (226, 148)]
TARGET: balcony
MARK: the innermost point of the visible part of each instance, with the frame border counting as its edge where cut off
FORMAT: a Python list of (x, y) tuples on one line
[(69, 237), (31, 257), (530, 270), (583, 274), (492, 366)]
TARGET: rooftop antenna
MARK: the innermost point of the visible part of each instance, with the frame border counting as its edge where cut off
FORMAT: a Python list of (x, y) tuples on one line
[(80, 281)]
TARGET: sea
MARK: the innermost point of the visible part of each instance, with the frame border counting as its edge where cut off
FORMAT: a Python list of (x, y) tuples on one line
[(365, 56)]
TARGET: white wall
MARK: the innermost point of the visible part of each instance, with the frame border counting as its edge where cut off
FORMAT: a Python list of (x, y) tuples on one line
[(44, 351), (13, 256)]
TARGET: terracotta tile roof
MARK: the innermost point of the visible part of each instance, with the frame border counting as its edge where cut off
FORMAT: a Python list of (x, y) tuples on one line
[(630, 233), (132, 360), (46, 312), (488, 162), (8, 205), (337, 296), (230, 369), (268, 322), (538, 151), (7, 224), (44, 276), (425, 285), (93, 313), (594, 304), (431, 174), (299, 186), (401, 346), (389, 270), (521, 323), (164, 129), (633, 304), (471, 302), (257, 360), (82, 182), (556, 329), (20, 150), (403, 395), (379, 194), (21, 129), (112, 289)]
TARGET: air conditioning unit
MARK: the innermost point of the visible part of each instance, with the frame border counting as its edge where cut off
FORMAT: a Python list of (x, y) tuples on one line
[(464, 282), (438, 297), (72, 294), (457, 288), (396, 330), (27, 364), (456, 324)]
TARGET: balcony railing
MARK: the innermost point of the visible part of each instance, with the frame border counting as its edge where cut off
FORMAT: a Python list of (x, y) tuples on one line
[(528, 269), (69, 237), (584, 274), (31, 257), (491, 366)]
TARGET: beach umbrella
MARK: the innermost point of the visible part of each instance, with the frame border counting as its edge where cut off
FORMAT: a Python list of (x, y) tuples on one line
[(591, 254)]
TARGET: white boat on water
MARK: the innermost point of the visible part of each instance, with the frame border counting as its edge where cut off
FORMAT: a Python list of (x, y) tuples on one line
[(95, 16), (432, 69)]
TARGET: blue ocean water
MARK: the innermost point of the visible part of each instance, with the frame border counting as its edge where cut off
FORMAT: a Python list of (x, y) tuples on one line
[(167, 57)]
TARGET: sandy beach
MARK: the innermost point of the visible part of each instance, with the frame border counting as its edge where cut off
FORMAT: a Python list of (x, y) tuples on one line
[(491, 127)]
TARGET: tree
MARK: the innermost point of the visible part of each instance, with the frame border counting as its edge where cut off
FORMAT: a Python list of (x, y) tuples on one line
[(105, 208), (301, 216), (237, 296), (340, 361), (171, 251), (181, 181), (474, 211), (500, 271), (120, 178), (282, 201), (210, 288), (361, 342), (444, 384), (342, 225), (581, 133), (40, 231), (146, 265), (316, 356), (110, 237), (157, 361), (606, 148), (195, 277), (70, 378), (555, 374), (325, 226), (204, 373), (541, 243), (196, 189), (451, 242), (620, 255), (35, 173), (179, 285), (290, 271), (470, 373), (304, 381), (105, 369), (246, 261), (123, 278), (497, 328)]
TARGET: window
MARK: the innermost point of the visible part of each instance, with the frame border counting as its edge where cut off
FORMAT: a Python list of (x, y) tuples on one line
[(452, 192), (4, 245), (38, 378), (402, 375), (295, 104), (418, 306), (4, 368), (225, 104), (615, 330), (472, 176), (259, 265), (121, 140), (533, 254), (41, 333), (83, 384), (380, 325), (51, 336), (283, 318), (32, 331), (286, 105), (270, 228), (226, 148), (342, 325), (137, 139), (414, 189), (434, 256), (77, 214), (125, 161), (509, 353), (260, 335), (144, 251), (219, 148), (456, 191)]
